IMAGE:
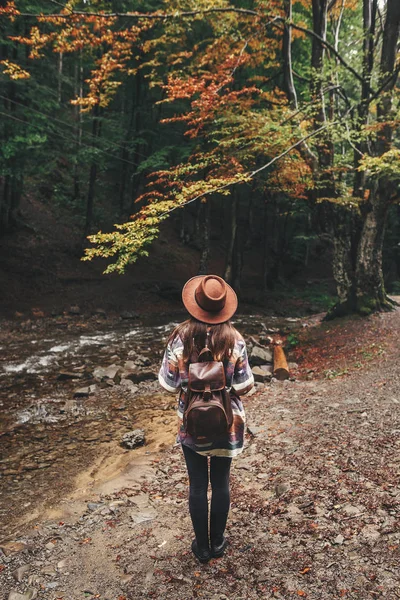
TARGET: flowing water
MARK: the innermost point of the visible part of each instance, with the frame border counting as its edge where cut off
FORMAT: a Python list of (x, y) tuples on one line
[(47, 434)]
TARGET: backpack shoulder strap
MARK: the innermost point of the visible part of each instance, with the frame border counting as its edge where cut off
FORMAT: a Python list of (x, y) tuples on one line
[(205, 355)]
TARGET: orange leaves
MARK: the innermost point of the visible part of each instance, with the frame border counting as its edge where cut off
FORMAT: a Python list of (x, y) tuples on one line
[(13, 70), (9, 9)]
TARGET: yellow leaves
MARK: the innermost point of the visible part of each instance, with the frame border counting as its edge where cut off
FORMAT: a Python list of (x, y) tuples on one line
[(13, 70)]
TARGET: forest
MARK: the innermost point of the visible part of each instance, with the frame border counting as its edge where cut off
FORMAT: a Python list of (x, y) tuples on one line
[(269, 126)]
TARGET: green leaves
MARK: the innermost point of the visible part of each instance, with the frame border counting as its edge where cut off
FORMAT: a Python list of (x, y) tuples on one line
[(385, 166)]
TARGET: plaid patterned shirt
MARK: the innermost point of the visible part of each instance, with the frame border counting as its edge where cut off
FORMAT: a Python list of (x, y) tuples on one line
[(174, 375)]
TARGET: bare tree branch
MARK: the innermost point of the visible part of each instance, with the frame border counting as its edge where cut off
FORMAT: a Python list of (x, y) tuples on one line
[(252, 174), (326, 45)]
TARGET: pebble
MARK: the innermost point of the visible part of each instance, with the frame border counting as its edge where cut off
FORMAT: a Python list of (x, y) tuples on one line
[(132, 439), (281, 488), (92, 506), (19, 573), (339, 539), (50, 546), (52, 585)]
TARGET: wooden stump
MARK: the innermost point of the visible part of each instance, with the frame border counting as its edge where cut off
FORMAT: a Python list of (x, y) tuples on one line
[(281, 370)]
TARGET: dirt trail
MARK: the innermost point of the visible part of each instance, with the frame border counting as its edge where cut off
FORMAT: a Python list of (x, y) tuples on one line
[(315, 505)]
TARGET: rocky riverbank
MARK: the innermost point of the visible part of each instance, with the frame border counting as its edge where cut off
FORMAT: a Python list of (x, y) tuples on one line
[(72, 387)]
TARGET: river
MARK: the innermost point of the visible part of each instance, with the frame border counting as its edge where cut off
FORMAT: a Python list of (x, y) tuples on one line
[(48, 433)]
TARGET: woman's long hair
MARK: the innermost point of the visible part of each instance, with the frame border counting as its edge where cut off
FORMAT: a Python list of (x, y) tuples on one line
[(193, 333)]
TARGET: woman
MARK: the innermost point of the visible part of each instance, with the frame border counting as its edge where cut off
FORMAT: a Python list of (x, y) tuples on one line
[(211, 302)]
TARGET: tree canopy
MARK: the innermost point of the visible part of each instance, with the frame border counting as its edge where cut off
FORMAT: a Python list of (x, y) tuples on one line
[(262, 101)]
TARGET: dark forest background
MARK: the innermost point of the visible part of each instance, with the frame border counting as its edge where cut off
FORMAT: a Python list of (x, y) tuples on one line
[(66, 173)]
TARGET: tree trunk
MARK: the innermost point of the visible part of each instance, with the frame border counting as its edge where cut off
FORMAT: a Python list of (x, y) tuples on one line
[(228, 274), (205, 239), (288, 82), (78, 91), (92, 175), (370, 288)]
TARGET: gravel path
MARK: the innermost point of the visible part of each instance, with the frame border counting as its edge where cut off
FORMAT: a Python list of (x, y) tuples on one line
[(315, 506)]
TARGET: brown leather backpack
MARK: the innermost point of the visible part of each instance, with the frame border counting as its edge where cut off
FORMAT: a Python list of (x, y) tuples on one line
[(208, 412)]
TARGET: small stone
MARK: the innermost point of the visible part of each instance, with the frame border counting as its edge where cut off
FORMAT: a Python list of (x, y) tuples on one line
[(351, 510), (19, 573), (370, 532), (50, 546), (52, 585), (66, 375), (82, 392), (143, 361), (92, 506), (128, 384), (62, 564), (132, 439), (339, 539), (281, 488)]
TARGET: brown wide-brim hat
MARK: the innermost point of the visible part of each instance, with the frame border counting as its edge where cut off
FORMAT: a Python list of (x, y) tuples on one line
[(208, 298)]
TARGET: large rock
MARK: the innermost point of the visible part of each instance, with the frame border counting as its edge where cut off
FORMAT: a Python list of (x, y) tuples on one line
[(13, 547), (19, 573), (84, 392), (141, 516), (133, 439), (30, 594), (103, 373), (137, 375), (65, 375), (262, 373), (260, 356)]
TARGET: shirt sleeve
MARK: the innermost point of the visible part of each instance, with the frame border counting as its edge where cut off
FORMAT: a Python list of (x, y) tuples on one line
[(169, 375), (243, 379)]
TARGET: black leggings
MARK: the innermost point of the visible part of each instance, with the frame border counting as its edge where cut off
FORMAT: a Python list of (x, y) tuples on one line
[(197, 467)]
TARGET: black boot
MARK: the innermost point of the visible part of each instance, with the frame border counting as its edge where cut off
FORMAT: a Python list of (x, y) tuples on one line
[(202, 554), (217, 529)]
